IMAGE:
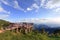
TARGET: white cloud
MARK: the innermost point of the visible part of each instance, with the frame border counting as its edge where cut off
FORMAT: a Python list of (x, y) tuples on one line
[(48, 4), (34, 20), (29, 9), (53, 4), (42, 2), (57, 10), (14, 4), (3, 10), (33, 7), (4, 1), (5, 13), (55, 20), (3, 16)]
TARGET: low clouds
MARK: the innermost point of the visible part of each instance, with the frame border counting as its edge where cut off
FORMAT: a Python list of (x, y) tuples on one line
[(3, 16), (34, 20), (42, 20)]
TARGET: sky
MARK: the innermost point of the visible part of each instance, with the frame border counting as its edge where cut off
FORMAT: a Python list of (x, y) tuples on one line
[(30, 10)]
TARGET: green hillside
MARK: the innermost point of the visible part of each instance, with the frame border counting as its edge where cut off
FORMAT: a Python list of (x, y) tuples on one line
[(34, 35), (3, 23)]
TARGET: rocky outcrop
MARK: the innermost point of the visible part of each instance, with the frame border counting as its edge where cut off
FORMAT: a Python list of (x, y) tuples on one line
[(27, 27)]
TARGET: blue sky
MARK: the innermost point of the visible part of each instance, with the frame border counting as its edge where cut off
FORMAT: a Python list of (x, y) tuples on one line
[(30, 10)]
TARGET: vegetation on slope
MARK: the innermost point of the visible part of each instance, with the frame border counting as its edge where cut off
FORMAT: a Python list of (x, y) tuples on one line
[(3, 23), (8, 35), (34, 35), (20, 36)]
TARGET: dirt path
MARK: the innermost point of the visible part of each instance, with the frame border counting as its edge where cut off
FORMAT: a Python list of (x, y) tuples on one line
[(1, 31)]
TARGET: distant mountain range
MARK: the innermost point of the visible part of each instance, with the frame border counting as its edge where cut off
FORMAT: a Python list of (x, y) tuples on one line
[(47, 28)]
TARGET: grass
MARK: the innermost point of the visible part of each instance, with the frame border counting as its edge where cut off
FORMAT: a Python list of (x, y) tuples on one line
[(35, 35), (30, 36)]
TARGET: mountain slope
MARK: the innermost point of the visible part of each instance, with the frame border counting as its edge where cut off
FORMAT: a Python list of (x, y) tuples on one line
[(4, 23)]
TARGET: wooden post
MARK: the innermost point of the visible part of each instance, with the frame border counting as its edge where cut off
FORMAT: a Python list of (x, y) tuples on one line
[(26, 31), (17, 30)]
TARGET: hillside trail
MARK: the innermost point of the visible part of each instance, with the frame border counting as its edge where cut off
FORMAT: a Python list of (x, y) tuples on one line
[(2, 31)]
